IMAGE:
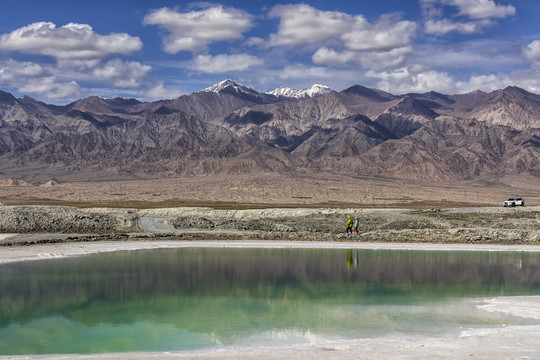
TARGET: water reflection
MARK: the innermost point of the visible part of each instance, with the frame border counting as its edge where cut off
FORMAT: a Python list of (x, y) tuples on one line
[(190, 298), (350, 259)]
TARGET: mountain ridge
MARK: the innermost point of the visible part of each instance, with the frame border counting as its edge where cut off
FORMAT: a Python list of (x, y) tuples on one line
[(231, 128)]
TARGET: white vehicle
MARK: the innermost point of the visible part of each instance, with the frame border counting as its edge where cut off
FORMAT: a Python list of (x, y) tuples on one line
[(517, 201)]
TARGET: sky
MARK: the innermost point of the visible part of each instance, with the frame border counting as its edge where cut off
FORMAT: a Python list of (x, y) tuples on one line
[(57, 51)]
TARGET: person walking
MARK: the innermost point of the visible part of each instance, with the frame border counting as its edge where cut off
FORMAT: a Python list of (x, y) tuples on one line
[(349, 225), (356, 222)]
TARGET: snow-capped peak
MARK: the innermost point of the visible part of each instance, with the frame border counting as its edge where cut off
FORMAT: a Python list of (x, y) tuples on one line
[(284, 91), (229, 85), (289, 92)]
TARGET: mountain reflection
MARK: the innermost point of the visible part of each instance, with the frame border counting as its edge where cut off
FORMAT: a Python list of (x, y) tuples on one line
[(222, 289)]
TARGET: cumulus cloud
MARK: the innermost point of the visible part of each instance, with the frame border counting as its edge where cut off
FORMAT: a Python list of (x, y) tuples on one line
[(225, 63), (28, 69), (479, 14), (195, 30), (532, 52), (418, 79), (329, 57), (379, 60), (406, 80), (80, 55), (444, 26), (71, 41), (352, 38), (51, 88), (482, 9), (302, 23), (301, 71), (28, 77), (49, 81), (486, 83), (374, 60), (381, 36), (480, 54), (159, 91), (121, 74)]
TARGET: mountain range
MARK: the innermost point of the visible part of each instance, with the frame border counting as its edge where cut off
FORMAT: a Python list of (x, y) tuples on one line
[(230, 128)]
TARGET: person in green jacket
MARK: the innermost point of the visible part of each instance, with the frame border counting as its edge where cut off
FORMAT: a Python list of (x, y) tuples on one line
[(356, 222), (349, 225)]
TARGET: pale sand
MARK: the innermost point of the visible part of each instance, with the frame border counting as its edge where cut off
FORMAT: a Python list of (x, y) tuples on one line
[(500, 342)]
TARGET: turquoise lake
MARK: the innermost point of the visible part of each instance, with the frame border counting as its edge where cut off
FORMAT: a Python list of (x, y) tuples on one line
[(200, 298)]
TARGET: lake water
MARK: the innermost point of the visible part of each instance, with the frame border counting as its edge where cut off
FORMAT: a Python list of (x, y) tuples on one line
[(198, 298)]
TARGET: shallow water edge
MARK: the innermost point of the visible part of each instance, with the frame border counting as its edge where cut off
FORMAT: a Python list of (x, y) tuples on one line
[(498, 342)]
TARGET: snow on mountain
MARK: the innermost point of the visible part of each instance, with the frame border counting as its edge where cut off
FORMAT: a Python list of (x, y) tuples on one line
[(289, 92), (284, 91), (231, 86), (281, 92)]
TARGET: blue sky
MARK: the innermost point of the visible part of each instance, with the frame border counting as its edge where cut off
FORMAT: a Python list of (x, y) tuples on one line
[(60, 50)]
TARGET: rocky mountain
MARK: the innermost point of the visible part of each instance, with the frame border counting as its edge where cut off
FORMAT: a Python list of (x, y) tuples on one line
[(229, 128)]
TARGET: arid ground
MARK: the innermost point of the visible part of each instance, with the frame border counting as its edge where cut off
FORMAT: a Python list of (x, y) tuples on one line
[(272, 189)]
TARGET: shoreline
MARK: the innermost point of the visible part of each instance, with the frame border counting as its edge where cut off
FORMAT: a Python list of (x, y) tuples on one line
[(485, 344), (58, 250)]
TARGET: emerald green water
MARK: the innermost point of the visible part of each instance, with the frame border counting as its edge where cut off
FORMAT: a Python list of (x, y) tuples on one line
[(182, 299)]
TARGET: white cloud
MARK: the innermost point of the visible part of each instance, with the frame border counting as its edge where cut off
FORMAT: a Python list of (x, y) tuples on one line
[(121, 74), (225, 63), (353, 39), (50, 88), (532, 52), (50, 81), (405, 80), (480, 14), (486, 83), (71, 41), (79, 54), (26, 68), (159, 92), (444, 26), (384, 35), (482, 9), (255, 41), (28, 77), (302, 72), (326, 56), (374, 60), (300, 24), (482, 54), (194, 31), (419, 79), (379, 60)]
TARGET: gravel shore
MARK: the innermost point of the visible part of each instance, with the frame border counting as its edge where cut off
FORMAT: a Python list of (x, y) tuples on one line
[(38, 224)]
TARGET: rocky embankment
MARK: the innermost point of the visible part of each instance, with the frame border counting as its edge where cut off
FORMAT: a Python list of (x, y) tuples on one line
[(479, 226), (59, 219)]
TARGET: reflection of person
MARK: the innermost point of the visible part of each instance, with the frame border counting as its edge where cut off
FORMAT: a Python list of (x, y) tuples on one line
[(356, 221), (349, 258), (349, 225)]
